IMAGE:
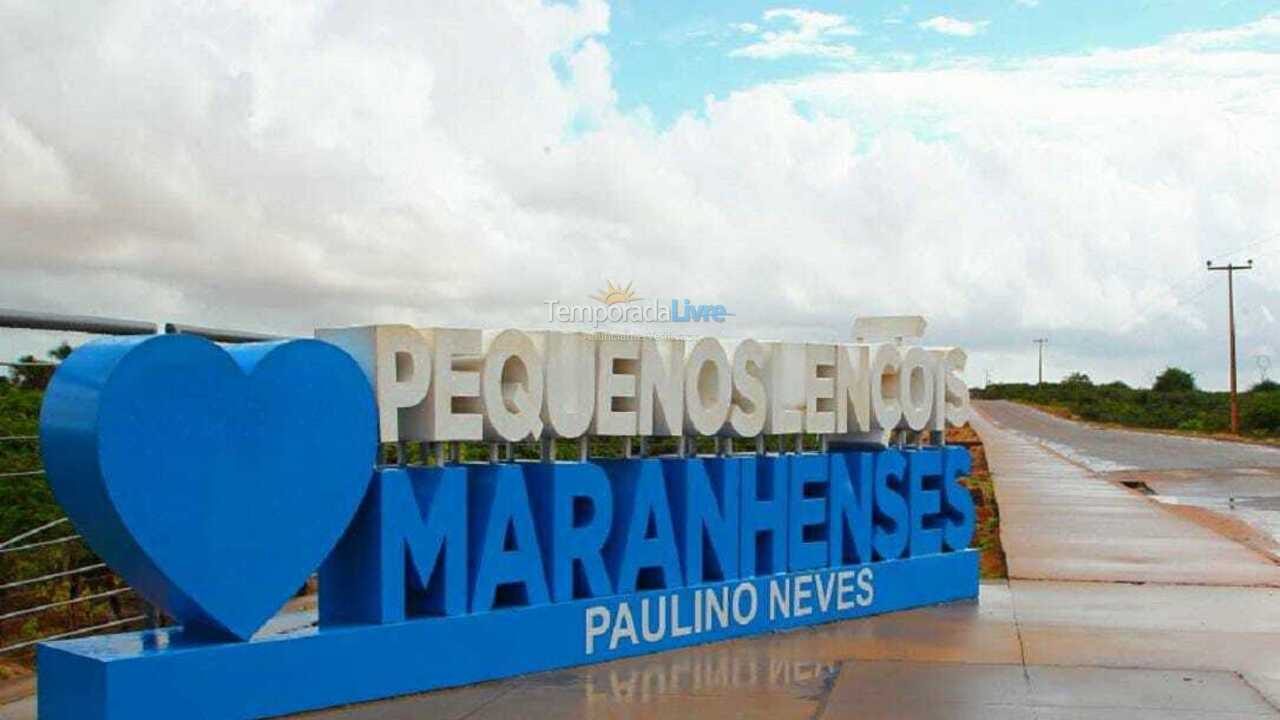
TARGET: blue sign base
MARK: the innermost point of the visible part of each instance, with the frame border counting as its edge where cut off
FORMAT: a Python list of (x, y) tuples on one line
[(165, 674)]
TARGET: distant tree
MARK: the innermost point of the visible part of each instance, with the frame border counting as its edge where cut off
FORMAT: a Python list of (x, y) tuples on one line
[(1077, 378), (1265, 386), (1116, 385), (1174, 380), (34, 374)]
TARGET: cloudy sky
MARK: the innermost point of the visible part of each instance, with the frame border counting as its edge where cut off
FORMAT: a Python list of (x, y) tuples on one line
[(1009, 168)]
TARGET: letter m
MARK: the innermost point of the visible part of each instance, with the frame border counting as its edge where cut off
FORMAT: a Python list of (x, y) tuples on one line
[(405, 553)]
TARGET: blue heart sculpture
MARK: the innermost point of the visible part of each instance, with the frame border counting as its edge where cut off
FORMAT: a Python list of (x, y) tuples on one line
[(213, 479)]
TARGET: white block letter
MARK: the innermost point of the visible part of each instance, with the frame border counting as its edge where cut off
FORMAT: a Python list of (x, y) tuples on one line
[(569, 388), (886, 413), (397, 361), (616, 370), (853, 389), (708, 387), (453, 401), (819, 388), (956, 394), (915, 388), (784, 382), (511, 387), (660, 407), (750, 403)]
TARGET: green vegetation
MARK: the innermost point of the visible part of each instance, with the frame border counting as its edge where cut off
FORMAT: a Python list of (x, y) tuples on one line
[(1174, 380), (25, 501), (1172, 403)]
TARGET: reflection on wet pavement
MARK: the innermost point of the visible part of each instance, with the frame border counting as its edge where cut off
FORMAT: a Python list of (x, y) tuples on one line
[(1250, 495), (1026, 650)]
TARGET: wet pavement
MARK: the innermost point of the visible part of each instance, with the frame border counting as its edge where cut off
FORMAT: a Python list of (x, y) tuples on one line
[(1105, 449), (1061, 521), (1025, 650), (1239, 481), (1188, 630)]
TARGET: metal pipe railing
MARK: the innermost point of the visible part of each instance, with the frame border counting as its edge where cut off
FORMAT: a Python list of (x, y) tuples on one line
[(89, 324), (25, 320), (217, 334)]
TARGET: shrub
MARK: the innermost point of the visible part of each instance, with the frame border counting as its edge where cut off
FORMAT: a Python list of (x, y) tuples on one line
[(1260, 413), (1077, 378), (1174, 380)]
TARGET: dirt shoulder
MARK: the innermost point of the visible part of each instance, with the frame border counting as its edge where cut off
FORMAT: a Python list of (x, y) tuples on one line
[(986, 535)]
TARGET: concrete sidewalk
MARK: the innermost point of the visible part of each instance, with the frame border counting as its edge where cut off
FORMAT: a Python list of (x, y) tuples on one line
[(1161, 590), (1030, 648), (1060, 521)]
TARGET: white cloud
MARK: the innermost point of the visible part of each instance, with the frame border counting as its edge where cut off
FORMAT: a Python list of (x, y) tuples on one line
[(1027, 3), (273, 168), (951, 26), (1264, 32), (809, 34)]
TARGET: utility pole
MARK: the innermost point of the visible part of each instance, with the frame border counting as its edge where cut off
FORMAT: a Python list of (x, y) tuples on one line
[(1040, 372), (1231, 331)]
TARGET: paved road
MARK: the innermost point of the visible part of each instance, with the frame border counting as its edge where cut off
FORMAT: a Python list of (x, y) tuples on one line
[(1236, 481), (1107, 450)]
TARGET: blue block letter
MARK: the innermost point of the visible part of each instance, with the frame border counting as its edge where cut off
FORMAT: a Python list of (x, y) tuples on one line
[(957, 530), (573, 506), (705, 502), (405, 553), (891, 531), (849, 503), (507, 567), (642, 548), (763, 523), (807, 520), (924, 495)]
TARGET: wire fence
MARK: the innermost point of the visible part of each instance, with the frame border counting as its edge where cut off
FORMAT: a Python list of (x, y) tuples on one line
[(52, 585)]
